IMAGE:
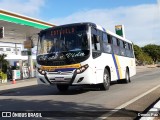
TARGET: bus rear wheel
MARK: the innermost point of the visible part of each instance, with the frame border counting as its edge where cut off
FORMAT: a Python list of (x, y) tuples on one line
[(62, 87), (106, 80), (127, 79)]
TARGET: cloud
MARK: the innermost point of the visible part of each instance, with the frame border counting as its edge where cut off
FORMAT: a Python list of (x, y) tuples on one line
[(142, 22), (25, 7)]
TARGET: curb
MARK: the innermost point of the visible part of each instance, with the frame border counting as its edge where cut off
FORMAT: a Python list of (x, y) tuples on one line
[(140, 69), (19, 84)]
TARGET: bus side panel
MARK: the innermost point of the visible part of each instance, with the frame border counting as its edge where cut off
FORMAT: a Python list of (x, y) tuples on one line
[(125, 62), (133, 67), (99, 63), (122, 64), (89, 77)]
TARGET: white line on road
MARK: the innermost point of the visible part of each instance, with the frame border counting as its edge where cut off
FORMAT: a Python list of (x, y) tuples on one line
[(127, 103)]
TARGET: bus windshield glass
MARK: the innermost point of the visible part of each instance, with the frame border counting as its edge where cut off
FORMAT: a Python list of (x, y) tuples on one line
[(63, 43)]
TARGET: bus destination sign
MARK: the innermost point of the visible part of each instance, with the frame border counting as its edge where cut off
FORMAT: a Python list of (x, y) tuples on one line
[(62, 31)]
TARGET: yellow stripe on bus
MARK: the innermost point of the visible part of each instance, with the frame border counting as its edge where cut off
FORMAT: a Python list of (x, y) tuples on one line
[(119, 67), (60, 67)]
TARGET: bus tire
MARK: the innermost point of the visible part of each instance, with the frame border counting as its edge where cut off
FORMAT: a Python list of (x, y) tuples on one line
[(127, 78), (62, 87), (106, 80)]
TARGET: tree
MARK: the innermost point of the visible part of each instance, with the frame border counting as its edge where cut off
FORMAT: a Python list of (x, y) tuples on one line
[(141, 57), (3, 63), (137, 50), (153, 51)]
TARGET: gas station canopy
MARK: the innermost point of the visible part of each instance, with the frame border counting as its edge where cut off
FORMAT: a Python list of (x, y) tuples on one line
[(18, 27)]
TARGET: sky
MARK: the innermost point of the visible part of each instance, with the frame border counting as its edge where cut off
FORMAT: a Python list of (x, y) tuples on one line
[(141, 18)]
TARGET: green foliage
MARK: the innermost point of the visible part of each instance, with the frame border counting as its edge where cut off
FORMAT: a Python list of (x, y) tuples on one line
[(137, 51), (147, 59), (3, 63), (142, 57), (153, 51), (3, 76)]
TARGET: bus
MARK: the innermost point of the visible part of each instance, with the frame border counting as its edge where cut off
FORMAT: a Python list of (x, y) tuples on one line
[(83, 54)]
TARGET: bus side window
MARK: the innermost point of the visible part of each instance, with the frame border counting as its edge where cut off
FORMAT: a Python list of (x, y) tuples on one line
[(124, 45), (107, 43), (115, 46), (95, 42), (100, 39), (131, 51), (122, 48), (127, 50), (109, 39), (98, 42)]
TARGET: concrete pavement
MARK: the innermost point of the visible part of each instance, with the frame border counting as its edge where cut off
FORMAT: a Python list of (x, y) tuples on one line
[(18, 84), (33, 81), (30, 82)]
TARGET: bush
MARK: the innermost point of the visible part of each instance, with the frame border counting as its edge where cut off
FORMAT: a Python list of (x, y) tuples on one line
[(3, 63), (3, 76)]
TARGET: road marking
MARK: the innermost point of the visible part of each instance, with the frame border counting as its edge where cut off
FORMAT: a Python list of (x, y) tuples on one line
[(126, 104)]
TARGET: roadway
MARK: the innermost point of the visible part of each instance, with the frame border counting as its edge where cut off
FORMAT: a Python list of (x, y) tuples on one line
[(133, 97)]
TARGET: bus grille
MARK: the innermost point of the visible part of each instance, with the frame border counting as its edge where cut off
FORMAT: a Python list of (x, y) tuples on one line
[(66, 80)]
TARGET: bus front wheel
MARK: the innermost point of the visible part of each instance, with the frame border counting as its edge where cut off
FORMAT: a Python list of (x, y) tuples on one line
[(62, 87), (106, 80)]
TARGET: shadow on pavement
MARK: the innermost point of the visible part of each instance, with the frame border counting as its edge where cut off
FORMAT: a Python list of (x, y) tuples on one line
[(58, 109), (36, 90)]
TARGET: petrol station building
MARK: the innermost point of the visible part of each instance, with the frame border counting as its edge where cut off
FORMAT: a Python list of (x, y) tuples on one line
[(14, 30)]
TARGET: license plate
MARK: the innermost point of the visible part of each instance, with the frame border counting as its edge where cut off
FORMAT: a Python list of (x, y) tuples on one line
[(59, 78)]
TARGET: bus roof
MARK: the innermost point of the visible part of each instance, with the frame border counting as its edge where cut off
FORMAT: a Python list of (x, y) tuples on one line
[(113, 34), (90, 24)]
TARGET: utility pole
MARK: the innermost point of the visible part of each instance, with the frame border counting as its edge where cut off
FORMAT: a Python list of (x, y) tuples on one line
[(16, 49), (29, 45), (30, 63)]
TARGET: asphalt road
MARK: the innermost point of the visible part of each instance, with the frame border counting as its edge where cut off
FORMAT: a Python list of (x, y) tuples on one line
[(86, 99)]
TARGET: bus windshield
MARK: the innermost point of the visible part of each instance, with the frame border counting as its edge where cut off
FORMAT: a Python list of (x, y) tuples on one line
[(63, 43)]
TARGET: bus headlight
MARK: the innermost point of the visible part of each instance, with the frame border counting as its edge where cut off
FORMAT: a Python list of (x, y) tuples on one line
[(82, 69), (41, 71)]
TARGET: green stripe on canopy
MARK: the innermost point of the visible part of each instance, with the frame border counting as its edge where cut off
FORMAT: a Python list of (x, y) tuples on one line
[(22, 22)]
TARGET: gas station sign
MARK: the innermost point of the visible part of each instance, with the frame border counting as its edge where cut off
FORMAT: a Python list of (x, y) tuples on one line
[(119, 30)]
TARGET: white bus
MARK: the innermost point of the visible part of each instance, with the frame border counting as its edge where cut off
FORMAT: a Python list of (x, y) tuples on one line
[(83, 53)]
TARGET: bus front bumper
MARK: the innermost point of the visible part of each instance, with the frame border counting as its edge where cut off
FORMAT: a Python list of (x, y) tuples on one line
[(71, 78)]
